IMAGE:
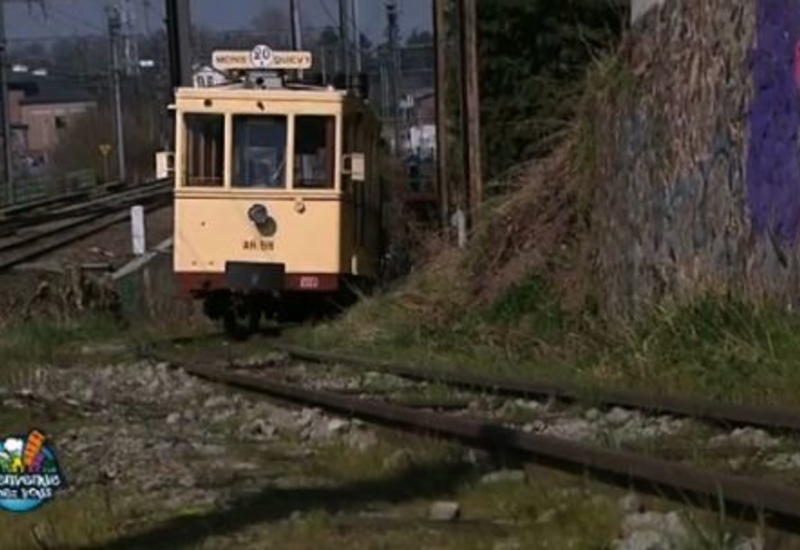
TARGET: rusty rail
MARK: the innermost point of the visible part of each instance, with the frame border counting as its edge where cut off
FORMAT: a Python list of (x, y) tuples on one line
[(771, 417), (28, 248), (78, 204), (777, 504)]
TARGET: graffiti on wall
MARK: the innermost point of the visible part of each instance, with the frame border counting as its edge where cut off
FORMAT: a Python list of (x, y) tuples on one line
[(773, 163)]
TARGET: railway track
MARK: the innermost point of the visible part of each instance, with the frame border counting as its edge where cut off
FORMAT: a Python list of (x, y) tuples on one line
[(44, 211), (721, 414), (752, 497), (24, 238)]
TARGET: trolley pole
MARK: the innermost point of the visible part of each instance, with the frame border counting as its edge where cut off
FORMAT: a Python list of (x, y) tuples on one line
[(470, 98), (297, 33), (114, 26), (440, 29), (8, 157), (297, 36)]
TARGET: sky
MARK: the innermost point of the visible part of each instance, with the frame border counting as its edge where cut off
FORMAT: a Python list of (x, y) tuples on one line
[(26, 22)]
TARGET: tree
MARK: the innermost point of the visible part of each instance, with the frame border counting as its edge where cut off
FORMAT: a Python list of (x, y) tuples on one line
[(532, 55)]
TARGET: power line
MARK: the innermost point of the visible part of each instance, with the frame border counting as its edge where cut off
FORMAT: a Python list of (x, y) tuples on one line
[(70, 17)]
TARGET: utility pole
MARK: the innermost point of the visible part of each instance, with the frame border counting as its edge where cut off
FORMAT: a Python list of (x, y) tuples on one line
[(8, 157), (178, 39), (470, 98), (178, 22), (394, 63), (324, 62), (130, 46), (344, 39), (356, 34), (297, 33), (385, 100), (114, 27), (146, 5), (440, 28)]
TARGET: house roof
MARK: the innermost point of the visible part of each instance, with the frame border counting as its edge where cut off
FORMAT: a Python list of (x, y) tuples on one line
[(46, 90)]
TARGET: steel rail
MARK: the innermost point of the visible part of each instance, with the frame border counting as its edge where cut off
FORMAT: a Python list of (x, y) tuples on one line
[(83, 229), (106, 190), (771, 417), (127, 193), (76, 221), (777, 504), (109, 200), (20, 208), (58, 210)]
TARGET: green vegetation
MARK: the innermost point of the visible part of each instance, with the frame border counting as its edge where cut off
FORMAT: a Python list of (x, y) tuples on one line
[(529, 86), (48, 342), (716, 347), (520, 300), (608, 79)]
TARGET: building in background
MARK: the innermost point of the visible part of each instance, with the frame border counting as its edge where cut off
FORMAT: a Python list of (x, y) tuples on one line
[(42, 108), (418, 111)]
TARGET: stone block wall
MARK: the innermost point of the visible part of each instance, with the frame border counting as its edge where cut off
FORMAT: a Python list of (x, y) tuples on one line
[(639, 8), (697, 182)]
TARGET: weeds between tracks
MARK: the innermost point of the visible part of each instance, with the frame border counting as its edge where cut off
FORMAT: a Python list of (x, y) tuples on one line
[(716, 348)]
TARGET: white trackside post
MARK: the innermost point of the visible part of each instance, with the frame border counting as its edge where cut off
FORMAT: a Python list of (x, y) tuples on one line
[(137, 230), (459, 221)]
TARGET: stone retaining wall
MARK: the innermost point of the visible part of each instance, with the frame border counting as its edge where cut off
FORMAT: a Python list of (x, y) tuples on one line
[(698, 161)]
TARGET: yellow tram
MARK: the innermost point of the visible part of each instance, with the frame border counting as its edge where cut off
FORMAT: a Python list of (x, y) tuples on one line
[(277, 201)]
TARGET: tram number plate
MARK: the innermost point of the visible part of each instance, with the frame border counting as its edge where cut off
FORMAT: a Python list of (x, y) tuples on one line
[(264, 246), (309, 282)]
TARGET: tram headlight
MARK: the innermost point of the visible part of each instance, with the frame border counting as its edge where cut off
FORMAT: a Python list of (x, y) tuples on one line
[(258, 214)]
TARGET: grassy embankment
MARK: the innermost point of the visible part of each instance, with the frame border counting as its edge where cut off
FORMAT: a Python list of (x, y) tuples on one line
[(519, 300)]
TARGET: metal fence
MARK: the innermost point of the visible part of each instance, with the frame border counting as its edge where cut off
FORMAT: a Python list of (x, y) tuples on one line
[(28, 189)]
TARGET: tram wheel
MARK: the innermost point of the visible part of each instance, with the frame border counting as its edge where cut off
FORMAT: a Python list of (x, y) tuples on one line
[(242, 319)]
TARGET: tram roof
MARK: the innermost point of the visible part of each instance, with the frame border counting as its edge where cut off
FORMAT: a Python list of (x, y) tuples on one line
[(240, 91), (259, 74)]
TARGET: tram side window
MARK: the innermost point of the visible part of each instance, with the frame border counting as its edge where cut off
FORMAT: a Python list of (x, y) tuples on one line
[(259, 151), (314, 146), (205, 150)]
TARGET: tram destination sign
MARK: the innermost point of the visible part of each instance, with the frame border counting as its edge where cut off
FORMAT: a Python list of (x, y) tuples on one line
[(260, 57)]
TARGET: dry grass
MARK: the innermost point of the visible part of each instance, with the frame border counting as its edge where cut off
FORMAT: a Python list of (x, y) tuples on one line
[(526, 298)]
